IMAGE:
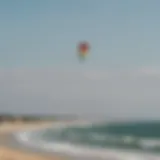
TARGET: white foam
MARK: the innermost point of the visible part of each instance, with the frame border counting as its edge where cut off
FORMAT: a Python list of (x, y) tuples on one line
[(108, 154)]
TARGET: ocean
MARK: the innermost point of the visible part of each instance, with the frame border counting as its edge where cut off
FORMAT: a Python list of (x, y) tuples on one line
[(116, 141)]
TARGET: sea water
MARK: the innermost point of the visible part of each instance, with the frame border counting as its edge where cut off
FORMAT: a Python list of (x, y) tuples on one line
[(117, 141)]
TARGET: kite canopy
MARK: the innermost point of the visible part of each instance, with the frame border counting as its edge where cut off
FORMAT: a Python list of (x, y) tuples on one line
[(83, 49)]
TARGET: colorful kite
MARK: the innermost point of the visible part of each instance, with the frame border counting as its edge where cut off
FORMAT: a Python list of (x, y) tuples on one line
[(83, 50)]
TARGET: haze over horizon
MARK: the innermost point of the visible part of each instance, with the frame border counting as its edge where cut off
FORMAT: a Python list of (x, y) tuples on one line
[(40, 71)]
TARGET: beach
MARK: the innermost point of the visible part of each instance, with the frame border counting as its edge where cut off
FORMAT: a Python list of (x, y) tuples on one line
[(17, 141), (8, 151)]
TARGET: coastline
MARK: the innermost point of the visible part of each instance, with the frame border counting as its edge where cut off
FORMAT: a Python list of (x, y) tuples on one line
[(13, 149), (10, 149)]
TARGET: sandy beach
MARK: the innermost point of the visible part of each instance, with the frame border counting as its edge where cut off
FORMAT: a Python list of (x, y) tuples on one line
[(12, 153)]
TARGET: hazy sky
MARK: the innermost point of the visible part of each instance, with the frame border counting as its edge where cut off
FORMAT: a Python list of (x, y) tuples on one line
[(40, 71)]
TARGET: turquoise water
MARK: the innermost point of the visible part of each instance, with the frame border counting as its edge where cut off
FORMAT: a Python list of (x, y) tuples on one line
[(140, 136)]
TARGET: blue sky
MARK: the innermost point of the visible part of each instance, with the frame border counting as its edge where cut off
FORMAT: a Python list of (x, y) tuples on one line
[(40, 72), (42, 33)]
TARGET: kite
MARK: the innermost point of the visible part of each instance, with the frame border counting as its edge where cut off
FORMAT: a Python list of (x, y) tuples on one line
[(83, 50)]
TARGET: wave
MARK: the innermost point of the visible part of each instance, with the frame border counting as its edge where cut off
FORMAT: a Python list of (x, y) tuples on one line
[(36, 139)]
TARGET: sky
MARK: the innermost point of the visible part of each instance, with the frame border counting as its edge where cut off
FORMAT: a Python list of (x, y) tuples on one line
[(39, 67)]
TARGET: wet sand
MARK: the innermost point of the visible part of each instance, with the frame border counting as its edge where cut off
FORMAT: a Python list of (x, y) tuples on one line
[(10, 149)]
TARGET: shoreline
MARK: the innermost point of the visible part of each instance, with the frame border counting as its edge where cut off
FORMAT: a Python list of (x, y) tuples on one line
[(11, 149)]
